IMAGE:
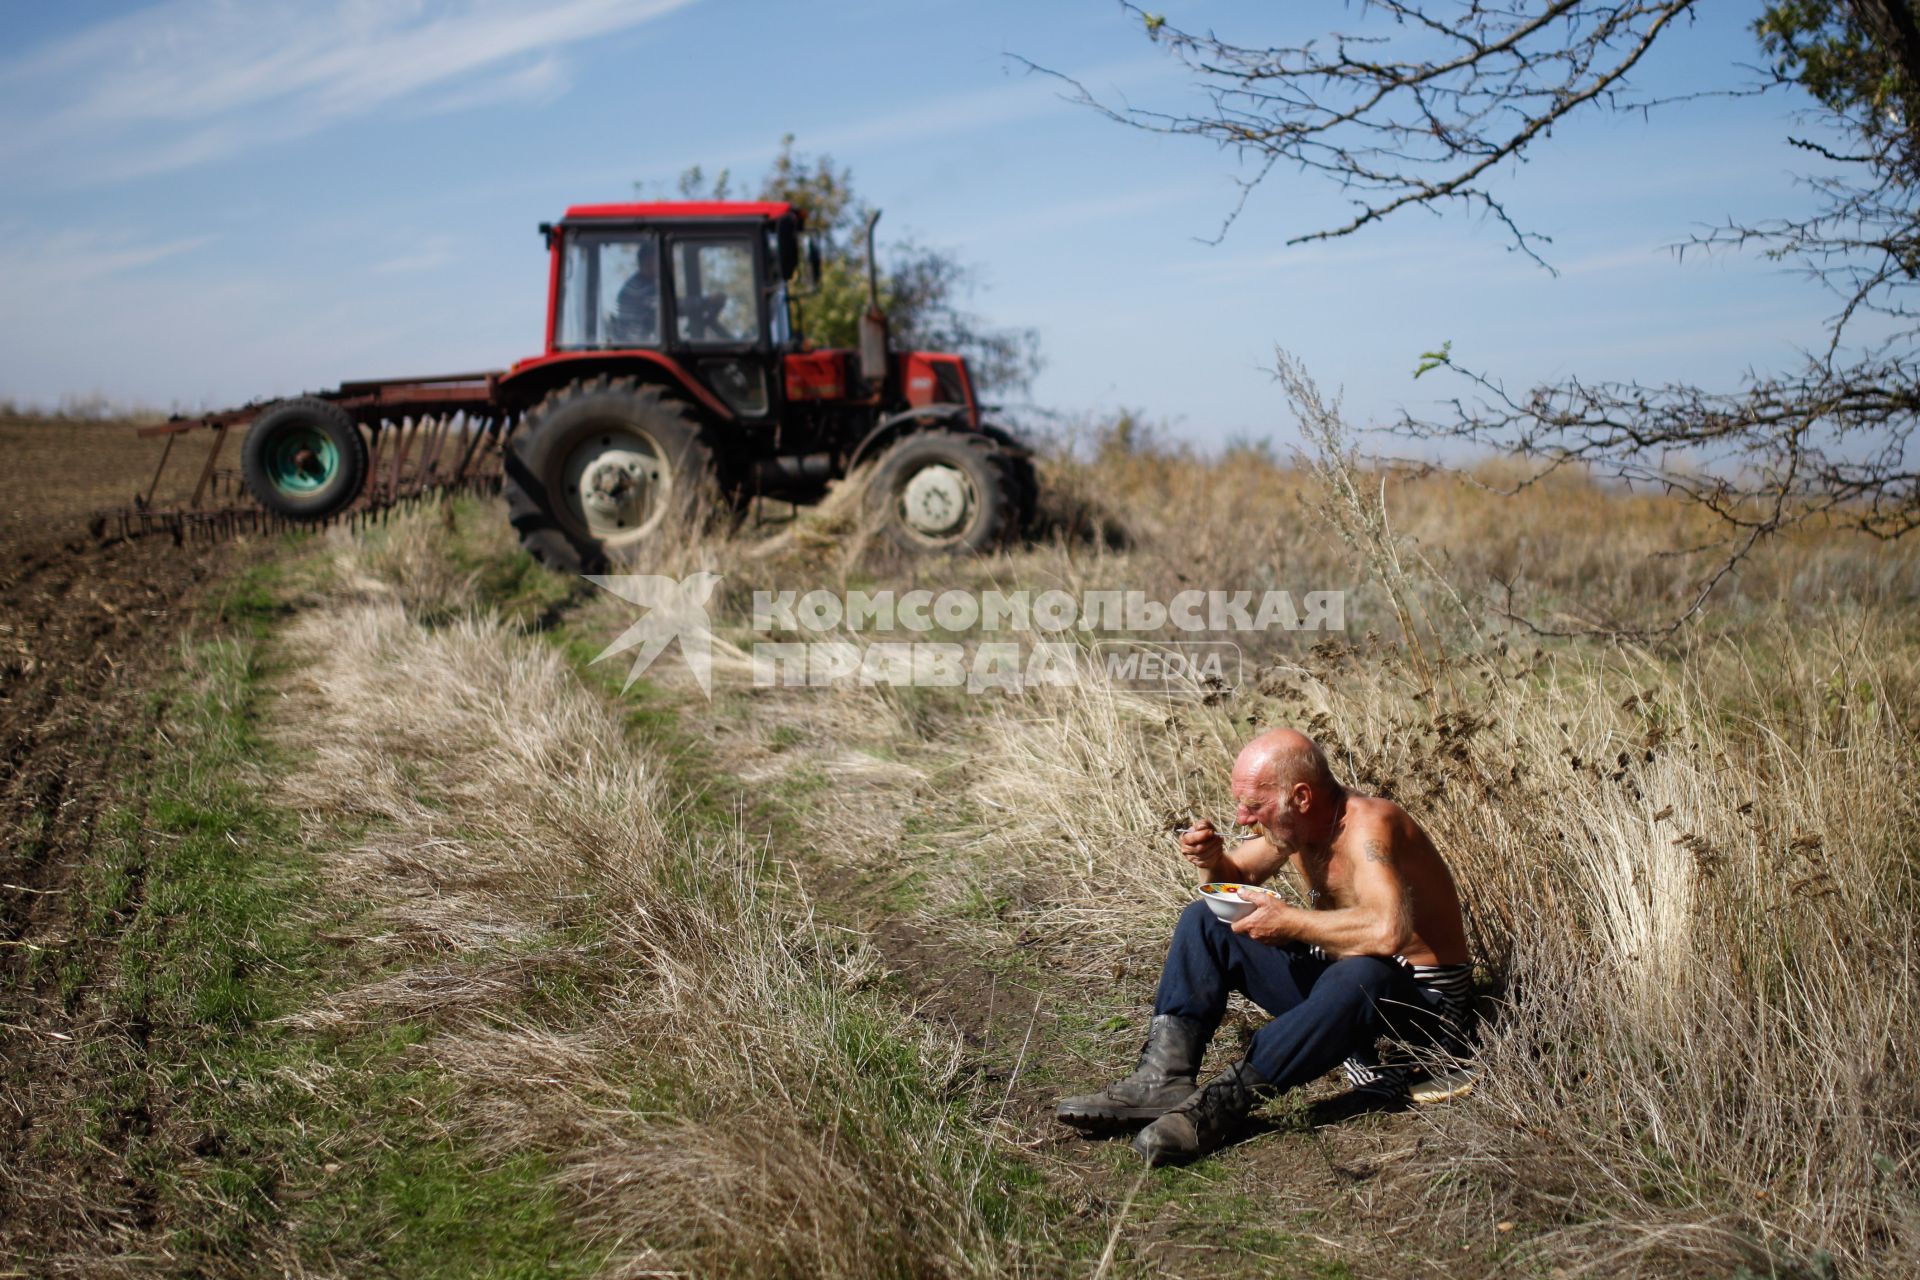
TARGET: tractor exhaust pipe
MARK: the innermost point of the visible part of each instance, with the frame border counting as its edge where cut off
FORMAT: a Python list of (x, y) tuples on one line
[(873, 325)]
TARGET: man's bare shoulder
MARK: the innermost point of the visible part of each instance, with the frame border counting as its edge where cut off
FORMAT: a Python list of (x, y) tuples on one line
[(1374, 809), (1378, 830)]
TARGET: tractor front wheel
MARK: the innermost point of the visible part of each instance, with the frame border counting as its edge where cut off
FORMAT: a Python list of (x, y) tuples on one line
[(597, 467), (948, 491), (304, 459)]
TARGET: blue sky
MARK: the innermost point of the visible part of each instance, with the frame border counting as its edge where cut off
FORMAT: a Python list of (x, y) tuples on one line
[(207, 201)]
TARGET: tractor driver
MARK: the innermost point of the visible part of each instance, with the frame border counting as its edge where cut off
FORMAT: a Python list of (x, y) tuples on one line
[(636, 308), (1380, 951)]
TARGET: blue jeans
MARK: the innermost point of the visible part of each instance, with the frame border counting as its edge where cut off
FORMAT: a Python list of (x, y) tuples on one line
[(1324, 1011)]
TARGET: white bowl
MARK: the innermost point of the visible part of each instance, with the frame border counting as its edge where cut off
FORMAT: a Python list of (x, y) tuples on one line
[(1232, 901)]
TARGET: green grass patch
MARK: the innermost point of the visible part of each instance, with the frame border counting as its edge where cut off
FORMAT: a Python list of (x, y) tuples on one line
[(511, 582), (200, 920), (1211, 1207)]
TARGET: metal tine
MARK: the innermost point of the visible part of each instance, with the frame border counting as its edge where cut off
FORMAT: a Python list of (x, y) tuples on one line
[(474, 432), (436, 441), (401, 446)]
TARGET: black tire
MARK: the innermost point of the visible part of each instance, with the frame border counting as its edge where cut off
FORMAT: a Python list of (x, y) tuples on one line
[(1026, 480), (971, 504), (545, 471), (304, 459), (1026, 492)]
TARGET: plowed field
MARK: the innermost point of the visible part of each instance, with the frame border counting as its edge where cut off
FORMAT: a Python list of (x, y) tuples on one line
[(81, 625)]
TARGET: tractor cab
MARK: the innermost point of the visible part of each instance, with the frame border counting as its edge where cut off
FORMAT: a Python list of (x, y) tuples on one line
[(704, 283), (697, 293)]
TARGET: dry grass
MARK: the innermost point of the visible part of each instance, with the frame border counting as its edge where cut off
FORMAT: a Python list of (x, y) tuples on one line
[(1700, 926), (1688, 867), (633, 992), (1689, 871)]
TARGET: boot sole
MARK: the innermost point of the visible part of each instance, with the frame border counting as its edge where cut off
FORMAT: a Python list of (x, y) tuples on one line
[(1106, 1120), (1443, 1088)]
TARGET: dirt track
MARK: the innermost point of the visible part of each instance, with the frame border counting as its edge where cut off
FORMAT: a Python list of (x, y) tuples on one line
[(82, 628)]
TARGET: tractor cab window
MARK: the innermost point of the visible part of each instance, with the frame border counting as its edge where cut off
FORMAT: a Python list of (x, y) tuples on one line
[(780, 316), (715, 299), (609, 291), (779, 313)]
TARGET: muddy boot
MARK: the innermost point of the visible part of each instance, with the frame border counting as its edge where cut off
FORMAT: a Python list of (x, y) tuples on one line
[(1205, 1120), (1163, 1079)]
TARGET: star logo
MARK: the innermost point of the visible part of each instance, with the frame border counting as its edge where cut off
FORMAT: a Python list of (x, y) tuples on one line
[(676, 610)]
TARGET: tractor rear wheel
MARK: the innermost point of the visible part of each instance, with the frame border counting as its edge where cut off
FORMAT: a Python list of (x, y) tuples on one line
[(949, 491), (597, 467), (1026, 481), (304, 459)]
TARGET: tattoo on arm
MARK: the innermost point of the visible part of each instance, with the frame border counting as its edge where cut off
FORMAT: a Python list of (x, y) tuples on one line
[(1375, 851)]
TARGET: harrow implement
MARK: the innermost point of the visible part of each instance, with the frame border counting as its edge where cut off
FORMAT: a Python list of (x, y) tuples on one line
[(423, 438)]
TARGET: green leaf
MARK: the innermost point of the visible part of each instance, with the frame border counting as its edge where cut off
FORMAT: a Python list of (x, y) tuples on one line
[(1434, 359)]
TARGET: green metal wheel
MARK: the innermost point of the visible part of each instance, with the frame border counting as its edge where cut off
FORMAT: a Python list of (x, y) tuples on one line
[(304, 459), (301, 460)]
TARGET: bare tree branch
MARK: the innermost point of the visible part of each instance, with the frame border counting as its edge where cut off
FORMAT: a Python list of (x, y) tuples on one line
[(1428, 129), (1427, 106), (1831, 446)]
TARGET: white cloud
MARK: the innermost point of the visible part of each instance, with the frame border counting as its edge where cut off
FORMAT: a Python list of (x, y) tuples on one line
[(65, 258), (210, 335), (1610, 262), (192, 81), (1021, 97), (1338, 255), (541, 80)]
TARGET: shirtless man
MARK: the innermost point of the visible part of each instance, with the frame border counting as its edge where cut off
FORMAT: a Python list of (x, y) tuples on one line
[(1379, 951)]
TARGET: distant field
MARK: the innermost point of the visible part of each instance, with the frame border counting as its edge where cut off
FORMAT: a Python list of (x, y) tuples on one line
[(57, 472)]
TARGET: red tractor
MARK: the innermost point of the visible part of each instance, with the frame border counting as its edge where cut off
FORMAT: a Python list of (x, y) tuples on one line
[(674, 365)]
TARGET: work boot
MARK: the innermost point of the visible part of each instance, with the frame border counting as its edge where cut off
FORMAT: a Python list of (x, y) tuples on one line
[(1164, 1079), (1205, 1120)]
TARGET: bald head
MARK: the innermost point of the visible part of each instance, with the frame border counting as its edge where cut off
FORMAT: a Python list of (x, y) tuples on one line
[(1280, 758)]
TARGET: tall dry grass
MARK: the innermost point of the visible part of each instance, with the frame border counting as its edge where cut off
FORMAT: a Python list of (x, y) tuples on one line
[(1689, 869), (1688, 865), (1698, 926), (638, 995)]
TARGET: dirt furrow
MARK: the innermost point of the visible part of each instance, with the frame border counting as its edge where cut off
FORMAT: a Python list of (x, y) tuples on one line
[(83, 629)]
